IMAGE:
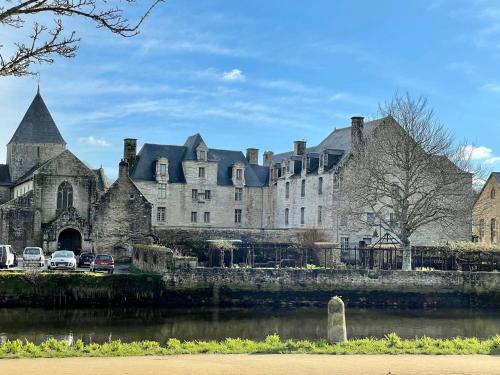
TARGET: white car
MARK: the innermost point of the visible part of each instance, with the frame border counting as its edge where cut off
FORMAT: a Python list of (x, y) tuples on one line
[(33, 256), (7, 256), (63, 260)]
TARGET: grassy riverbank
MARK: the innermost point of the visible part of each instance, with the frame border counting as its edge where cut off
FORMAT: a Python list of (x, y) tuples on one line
[(391, 344)]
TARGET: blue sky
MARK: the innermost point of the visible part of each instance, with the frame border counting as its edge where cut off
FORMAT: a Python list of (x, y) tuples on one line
[(264, 73)]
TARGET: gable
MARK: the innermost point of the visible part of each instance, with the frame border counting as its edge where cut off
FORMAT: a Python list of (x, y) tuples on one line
[(66, 164)]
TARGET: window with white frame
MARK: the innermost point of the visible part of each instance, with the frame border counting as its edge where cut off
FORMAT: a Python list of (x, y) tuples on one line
[(344, 243), (237, 216), (162, 169), (238, 194), (162, 191), (161, 214)]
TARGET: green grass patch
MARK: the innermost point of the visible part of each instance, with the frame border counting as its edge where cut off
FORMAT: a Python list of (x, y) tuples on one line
[(391, 344)]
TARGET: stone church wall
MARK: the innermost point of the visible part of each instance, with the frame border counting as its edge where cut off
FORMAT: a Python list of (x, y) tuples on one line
[(17, 223)]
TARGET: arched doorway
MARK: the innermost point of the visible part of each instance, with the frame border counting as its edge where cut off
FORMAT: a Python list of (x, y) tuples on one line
[(70, 239)]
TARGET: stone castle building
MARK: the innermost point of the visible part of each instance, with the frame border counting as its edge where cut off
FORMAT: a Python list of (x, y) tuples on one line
[(487, 212), (51, 198)]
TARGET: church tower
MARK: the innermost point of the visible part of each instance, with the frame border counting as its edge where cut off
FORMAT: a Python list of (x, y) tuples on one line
[(35, 141)]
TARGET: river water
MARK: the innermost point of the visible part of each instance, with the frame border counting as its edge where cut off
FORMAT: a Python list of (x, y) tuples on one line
[(160, 324)]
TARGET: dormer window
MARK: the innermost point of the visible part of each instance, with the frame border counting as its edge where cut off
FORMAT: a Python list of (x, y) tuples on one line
[(322, 161), (202, 155), (288, 164), (239, 174), (162, 169)]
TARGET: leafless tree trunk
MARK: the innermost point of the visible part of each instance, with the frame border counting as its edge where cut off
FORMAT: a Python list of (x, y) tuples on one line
[(47, 41), (410, 173)]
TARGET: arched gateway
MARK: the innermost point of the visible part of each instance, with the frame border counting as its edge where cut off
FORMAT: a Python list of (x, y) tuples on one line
[(70, 239)]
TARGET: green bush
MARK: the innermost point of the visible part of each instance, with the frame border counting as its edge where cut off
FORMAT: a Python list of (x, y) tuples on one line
[(391, 344)]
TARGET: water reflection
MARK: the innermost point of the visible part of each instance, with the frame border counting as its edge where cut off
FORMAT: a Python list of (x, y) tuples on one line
[(129, 324)]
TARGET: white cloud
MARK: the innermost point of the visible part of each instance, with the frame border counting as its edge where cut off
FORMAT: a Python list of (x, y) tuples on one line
[(478, 153), (233, 75), (93, 141), (492, 160)]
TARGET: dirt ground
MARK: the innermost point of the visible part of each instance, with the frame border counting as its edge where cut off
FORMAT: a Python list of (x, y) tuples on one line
[(256, 364)]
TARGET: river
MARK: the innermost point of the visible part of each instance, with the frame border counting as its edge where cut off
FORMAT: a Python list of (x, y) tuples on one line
[(160, 324)]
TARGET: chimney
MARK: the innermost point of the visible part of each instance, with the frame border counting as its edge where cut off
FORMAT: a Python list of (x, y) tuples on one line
[(123, 169), (129, 150), (357, 124), (267, 158), (299, 148), (253, 155)]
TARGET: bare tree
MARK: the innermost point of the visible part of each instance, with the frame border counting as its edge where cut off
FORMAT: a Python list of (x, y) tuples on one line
[(47, 41), (409, 173)]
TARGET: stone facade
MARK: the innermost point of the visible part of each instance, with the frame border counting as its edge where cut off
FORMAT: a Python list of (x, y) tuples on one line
[(487, 212)]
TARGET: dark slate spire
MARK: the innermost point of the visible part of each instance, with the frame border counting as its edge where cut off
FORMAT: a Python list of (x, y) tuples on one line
[(37, 125)]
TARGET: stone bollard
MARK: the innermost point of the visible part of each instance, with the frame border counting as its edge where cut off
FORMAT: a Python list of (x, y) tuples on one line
[(336, 321)]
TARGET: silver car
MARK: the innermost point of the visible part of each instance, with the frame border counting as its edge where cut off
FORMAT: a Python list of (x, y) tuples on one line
[(63, 260), (33, 256)]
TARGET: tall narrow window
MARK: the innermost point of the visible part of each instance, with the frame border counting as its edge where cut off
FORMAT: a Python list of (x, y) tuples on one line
[(238, 194), (206, 217), (481, 230), (493, 193), (201, 172), (493, 230), (237, 216), (239, 174), (320, 215), (287, 213), (303, 188), (320, 185), (302, 215), (321, 161), (208, 195), (64, 196), (162, 191), (344, 243), (203, 155), (161, 214), (287, 190), (194, 194), (194, 217), (163, 169)]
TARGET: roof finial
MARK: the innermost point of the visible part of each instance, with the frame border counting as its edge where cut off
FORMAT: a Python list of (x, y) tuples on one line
[(38, 84)]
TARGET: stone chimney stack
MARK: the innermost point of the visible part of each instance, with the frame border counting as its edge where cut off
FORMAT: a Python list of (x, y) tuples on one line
[(129, 150), (267, 158), (299, 148), (123, 169), (253, 155), (357, 124)]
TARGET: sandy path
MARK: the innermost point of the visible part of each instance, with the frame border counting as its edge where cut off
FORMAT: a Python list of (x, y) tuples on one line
[(255, 364)]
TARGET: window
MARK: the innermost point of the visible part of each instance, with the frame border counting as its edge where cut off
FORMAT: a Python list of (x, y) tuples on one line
[(161, 214), (304, 164), (302, 215), (283, 171), (238, 194), (287, 190), (370, 218), (194, 194), (320, 214), (336, 182), (303, 188), (206, 217), (320, 186), (493, 193), (288, 163), (481, 230), (64, 196), (237, 216), (493, 230), (287, 212), (321, 161), (162, 170), (392, 220), (194, 217), (203, 155), (343, 220), (239, 174), (344, 243), (208, 195), (162, 191), (201, 172)]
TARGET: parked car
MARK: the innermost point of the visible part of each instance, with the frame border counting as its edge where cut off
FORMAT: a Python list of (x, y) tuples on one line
[(103, 262), (63, 260), (7, 256), (33, 256), (85, 259)]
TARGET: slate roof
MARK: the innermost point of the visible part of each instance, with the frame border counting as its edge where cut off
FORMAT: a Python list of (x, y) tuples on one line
[(144, 167), (37, 125), (338, 140), (4, 175), (496, 176)]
